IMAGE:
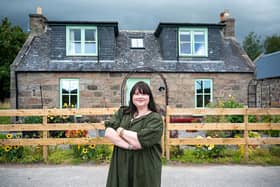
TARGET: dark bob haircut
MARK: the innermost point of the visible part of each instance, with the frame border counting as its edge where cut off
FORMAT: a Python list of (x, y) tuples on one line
[(143, 88)]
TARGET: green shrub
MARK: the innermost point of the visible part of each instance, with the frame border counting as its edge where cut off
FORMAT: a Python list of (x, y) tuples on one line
[(32, 120), (175, 151), (229, 103), (94, 152)]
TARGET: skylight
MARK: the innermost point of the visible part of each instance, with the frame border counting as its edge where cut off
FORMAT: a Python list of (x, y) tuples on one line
[(137, 43)]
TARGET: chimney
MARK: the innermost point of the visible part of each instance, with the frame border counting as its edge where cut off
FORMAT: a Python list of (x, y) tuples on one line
[(37, 22), (226, 19)]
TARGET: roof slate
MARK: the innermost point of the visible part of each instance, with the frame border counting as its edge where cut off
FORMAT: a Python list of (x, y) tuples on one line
[(268, 66), (37, 58)]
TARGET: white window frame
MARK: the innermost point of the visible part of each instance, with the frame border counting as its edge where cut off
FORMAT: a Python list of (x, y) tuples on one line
[(192, 41), (82, 28), (60, 92), (203, 94)]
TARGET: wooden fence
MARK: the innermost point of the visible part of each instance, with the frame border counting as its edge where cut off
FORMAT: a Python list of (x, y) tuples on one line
[(166, 140), (45, 127), (245, 127)]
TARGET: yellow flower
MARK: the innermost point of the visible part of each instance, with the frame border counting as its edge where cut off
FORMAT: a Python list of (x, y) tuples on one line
[(79, 147), (9, 136), (64, 117), (199, 137), (16, 147), (85, 150), (8, 148), (65, 105), (92, 146), (211, 146)]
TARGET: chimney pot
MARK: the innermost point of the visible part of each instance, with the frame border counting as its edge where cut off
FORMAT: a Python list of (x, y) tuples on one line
[(39, 10), (229, 22)]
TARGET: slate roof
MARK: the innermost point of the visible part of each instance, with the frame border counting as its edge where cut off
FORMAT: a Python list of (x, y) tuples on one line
[(37, 58), (268, 66)]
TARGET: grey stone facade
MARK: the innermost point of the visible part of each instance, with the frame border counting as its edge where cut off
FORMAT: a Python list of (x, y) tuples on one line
[(42, 62), (104, 89)]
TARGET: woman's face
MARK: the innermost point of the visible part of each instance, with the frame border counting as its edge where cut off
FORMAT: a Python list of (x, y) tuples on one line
[(140, 100)]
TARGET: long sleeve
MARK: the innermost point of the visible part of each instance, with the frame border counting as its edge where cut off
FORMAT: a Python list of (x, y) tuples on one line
[(115, 120), (152, 133)]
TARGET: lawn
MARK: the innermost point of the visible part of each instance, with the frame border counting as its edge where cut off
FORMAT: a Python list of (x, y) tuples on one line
[(4, 119)]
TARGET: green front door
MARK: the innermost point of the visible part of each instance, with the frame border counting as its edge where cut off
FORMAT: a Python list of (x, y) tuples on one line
[(130, 83)]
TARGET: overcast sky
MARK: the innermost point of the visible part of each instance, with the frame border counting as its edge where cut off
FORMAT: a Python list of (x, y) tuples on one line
[(261, 17)]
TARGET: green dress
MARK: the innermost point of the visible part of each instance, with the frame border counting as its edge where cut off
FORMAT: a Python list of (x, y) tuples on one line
[(137, 168)]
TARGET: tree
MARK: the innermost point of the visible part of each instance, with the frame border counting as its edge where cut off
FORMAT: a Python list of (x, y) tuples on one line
[(272, 44), (11, 41), (252, 45)]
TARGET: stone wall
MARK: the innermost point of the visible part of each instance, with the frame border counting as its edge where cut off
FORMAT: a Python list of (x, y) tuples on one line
[(268, 93), (104, 89)]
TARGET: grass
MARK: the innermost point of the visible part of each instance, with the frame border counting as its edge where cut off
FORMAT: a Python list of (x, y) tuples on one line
[(259, 156), (57, 155), (3, 106)]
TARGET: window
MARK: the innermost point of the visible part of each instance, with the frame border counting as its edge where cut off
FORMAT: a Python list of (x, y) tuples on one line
[(69, 93), (137, 43), (81, 41), (203, 92), (193, 42)]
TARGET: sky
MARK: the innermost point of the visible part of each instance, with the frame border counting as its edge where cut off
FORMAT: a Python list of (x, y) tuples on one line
[(261, 17)]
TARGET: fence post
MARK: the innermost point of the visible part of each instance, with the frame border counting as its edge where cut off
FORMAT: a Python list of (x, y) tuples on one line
[(246, 135), (45, 136), (167, 134), (163, 136)]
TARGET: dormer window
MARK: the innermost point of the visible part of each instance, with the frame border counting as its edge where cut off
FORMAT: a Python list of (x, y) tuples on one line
[(81, 41), (137, 43), (193, 42)]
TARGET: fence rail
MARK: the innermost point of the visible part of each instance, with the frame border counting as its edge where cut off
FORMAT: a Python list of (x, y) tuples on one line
[(245, 126)]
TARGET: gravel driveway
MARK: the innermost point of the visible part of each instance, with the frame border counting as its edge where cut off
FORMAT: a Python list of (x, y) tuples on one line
[(95, 176)]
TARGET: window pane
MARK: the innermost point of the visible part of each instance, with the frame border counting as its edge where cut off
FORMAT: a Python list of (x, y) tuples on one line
[(74, 85), (65, 99), (75, 34), (90, 47), (90, 35), (207, 99), (207, 86), (198, 86), (185, 37), (199, 101), (199, 49), (65, 87), (73, 101), (77, 48), (199, 37), (185, 48)]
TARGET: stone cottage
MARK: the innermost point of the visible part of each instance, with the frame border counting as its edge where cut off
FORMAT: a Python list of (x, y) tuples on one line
[(94, 64)]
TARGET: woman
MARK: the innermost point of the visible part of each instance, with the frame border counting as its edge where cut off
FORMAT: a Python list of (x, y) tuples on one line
[(136, 132)]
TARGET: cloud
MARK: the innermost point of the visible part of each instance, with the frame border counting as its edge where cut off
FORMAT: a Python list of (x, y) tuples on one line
[(258, 16)]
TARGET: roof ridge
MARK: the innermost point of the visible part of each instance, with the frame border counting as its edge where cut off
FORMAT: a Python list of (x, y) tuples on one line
[(269, 54)]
